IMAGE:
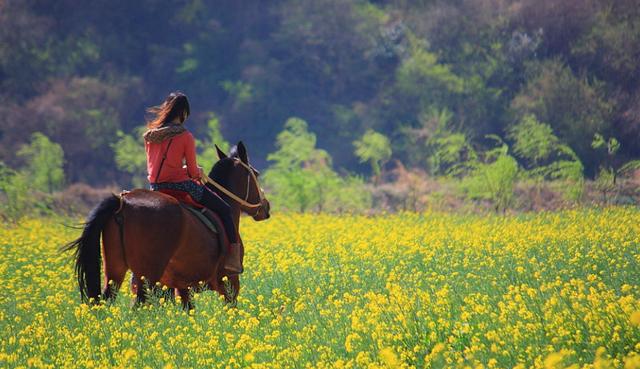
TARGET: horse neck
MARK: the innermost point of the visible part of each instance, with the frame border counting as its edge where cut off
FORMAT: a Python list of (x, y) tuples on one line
[(235, 214), (217, 175), (233, 206)]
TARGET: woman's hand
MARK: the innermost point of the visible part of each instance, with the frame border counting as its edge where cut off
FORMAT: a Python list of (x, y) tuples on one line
[(202, 175)]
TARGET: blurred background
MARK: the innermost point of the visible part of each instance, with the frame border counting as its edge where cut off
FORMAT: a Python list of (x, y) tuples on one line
[(345, 105)]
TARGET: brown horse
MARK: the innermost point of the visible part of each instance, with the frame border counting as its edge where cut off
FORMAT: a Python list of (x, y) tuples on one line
[(151, 234)]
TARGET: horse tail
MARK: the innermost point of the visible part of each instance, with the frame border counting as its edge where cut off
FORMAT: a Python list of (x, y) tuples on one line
[(87, 248)]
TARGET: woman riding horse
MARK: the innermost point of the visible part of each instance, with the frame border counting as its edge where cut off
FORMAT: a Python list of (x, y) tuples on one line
[(158, 239), (169, 144)]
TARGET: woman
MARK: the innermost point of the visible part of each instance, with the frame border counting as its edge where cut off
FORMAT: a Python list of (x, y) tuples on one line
[(168, 144)]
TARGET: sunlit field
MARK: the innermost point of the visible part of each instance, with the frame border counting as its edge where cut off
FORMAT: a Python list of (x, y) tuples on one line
[(409, 290)]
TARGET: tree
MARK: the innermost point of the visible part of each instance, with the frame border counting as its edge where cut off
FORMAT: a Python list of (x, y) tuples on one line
[(437, 144), (76, 72), (301, 177), (375, 148), (545, 157), (349, 194), (297, 171), (494, 177), (130, 156), (16, 198), (614, 167), (295, 144), (208, 156), (44, 163), (534, 141), (575, 108), (423, 78)]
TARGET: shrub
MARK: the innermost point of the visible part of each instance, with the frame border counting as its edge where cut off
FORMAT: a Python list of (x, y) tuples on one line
[(302, 178), (546, 158), (374, 148), (494, 178), (44, 161)]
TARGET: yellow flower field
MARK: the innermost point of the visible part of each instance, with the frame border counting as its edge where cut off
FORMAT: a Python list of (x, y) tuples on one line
[(551, 290)]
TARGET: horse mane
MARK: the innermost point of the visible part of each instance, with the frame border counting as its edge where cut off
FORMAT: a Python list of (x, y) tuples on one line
[(221, 169), (233, 152)]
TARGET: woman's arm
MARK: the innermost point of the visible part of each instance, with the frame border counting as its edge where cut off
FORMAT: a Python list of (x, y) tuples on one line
[(190, 155)]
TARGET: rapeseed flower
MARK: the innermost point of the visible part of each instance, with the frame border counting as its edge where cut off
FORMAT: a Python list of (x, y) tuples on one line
[(323, 291)]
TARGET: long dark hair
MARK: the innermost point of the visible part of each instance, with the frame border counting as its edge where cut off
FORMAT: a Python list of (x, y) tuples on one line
[(175, 105)]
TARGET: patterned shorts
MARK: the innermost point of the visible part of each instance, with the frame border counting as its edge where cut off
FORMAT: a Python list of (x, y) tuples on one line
[(192, 188)]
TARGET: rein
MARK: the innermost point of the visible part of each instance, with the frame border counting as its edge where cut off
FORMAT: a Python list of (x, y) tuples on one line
[(234, 197)]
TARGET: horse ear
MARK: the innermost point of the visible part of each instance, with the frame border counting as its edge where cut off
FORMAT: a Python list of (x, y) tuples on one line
[(221, 154), (242, 152)]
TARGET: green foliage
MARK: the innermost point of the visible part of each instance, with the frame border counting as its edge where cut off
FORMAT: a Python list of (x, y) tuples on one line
[(494, 178), (208, 155), (375, 148), (16, 198), (629, 167), (348, 194), (534, 141), (422, 76), (547, 157), (346, 65), (28, 191), (575, 108), (44, 163), (568, 175), (296, 145), (605, 182), (448, 150), (301, 178), (612, 145), (241, 92), (609, 45), (613, 167), (437, 144), (130, 156), (607, 178), (292, 183)]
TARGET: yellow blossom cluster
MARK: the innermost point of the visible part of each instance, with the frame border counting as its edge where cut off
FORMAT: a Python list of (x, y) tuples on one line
[(430, 290)]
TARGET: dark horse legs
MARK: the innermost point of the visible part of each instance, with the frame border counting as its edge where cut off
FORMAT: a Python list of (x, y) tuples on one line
[(145, 287), (115, 266), (185, 298)]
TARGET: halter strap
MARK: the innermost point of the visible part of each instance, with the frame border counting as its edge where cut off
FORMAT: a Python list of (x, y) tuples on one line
[(206, 179)]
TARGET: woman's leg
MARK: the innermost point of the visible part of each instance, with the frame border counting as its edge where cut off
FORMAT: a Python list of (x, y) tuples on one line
[(207, 198), (214, 202), (233, 259)]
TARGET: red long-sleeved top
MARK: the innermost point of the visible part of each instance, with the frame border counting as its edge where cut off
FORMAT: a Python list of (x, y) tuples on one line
[(181, 151)]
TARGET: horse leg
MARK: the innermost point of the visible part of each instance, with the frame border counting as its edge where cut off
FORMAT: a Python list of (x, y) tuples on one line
[(235, 289), (229, 287), (112, 283), (145, 287), (185, 298), (148, 252), (115, 266), (139, 284), (159, 291)]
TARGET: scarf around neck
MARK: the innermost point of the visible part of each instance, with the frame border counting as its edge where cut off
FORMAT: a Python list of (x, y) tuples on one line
[(160, 134)]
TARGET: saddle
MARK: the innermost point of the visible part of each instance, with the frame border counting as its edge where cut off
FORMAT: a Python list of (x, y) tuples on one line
[(208, 218)]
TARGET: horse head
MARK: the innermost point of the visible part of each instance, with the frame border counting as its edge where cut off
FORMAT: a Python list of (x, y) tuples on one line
[(234, 178)]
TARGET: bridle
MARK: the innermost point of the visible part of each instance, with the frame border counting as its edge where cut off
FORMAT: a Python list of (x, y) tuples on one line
[(236, 198)]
